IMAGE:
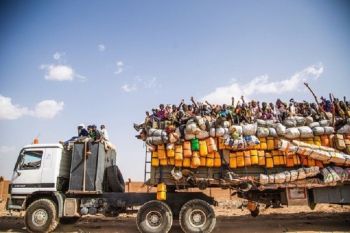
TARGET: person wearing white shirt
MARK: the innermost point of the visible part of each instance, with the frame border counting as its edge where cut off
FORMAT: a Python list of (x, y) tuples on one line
[(104, 132)]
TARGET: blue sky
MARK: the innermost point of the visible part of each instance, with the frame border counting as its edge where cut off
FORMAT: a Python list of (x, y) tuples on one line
[(63, 63)]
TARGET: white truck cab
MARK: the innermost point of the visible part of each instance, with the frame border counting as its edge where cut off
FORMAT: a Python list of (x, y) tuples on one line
[(40, 167)]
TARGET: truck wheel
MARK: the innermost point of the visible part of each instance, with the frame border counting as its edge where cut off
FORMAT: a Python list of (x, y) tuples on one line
[(155, 217), (41, 216), (197, 216)]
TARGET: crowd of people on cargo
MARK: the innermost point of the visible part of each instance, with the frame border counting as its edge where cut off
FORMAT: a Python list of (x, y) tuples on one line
[(89, 135), (244, 112)]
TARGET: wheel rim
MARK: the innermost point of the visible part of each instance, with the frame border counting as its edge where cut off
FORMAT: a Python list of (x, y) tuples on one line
[(197, 218), (154, 219), (39, 217)]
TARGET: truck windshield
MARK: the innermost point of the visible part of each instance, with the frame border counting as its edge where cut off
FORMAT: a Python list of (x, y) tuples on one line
[(30, 160)]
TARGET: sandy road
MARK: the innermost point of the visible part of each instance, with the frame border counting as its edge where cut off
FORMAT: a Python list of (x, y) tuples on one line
[(267, 223)]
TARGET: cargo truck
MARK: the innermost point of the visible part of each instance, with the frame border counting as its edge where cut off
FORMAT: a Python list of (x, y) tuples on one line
[(55, 185)]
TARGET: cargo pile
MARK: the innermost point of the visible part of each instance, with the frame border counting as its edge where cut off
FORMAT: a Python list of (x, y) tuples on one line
[(213, 136)]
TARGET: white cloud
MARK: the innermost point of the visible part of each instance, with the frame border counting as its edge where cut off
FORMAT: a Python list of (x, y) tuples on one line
[(56, 72), (44, 109), (262, 85), (129, 88), (9, 111), (101, 47), (47, 109), (6, 149), (120, 67), (60, 72)]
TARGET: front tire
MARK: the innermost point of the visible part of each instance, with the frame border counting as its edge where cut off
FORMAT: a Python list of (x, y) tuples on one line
[(154, 217), (197, 216), (41, 216)]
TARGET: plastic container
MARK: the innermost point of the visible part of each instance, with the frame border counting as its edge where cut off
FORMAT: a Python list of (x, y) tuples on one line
[(203, 149), (155, 162), (311, 162), (254, 157), (195, 144), (210, 162), (233, 160), (211, 155), (263, 146), (289, 161), (221, 143), (170, 153), (325, 140), (240, 159), (211, 143), (178, 162), (269, 161), (171, 161), (247, 160), (186, 162), (179, 152), (261, 158), (282, 160), (154, 154), (163, 162), (270, 143), (276, 142), (303, 160), (195, 161), (161, 192), (275, 157), (161, 151), (276, 160), (187, 152), (296, 160), (310, 141), (217, 162), (203, 161)]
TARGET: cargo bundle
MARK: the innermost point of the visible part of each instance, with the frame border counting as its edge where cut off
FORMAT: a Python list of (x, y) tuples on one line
[(225, 148)]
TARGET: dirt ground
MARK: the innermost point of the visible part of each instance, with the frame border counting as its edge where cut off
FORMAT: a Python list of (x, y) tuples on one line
[(325, 218)]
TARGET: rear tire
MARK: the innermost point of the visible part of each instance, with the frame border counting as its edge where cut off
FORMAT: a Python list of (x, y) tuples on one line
[(197, 216), (154, 217), (41, 216)]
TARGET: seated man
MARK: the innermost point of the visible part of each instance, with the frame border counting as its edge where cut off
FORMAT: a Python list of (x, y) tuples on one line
[(82, 132)]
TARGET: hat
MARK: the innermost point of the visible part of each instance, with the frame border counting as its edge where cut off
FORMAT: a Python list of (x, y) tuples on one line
[(81, 126)]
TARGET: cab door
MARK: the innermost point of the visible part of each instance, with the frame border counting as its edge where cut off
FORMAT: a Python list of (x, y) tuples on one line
[(26, 177)]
